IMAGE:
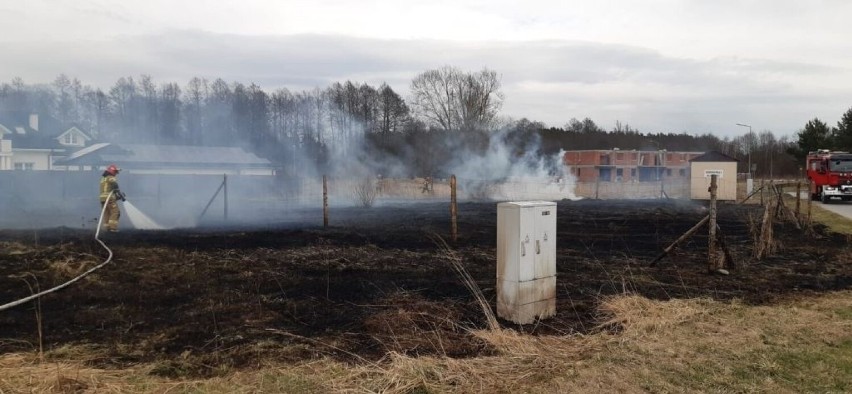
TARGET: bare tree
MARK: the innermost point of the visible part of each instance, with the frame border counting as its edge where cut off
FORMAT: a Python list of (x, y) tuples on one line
[(195, 94), (450, 99), (64, 99), (97, 104), (122, 95), (170, 113), (392, 111)]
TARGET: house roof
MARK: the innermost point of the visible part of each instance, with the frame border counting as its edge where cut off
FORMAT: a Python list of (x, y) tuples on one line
[(714, 156), (23, 137), (16, 128), (148, 156)]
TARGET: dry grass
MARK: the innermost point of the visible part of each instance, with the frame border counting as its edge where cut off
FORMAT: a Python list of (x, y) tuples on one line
[(697, 345), (365, 192), (836, 223)]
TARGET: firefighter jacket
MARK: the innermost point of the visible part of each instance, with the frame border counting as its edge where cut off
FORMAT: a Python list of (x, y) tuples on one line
[(109, 184)]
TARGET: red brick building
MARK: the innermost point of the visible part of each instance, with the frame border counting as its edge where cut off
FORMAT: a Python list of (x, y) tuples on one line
[(615, 165)]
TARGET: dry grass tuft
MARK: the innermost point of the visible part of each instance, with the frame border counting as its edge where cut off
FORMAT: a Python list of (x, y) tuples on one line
[(699, 345), (15, 249), (365, 192), (412, 325), (70, 266), (468, 281), (634, 314)]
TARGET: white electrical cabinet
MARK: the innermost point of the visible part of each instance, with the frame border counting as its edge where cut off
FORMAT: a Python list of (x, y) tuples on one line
[(526, 260)]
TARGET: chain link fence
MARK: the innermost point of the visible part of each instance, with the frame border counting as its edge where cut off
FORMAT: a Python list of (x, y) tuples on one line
[(33, 199)]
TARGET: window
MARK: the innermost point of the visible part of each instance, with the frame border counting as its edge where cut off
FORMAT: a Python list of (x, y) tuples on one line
[(24, 166), (619, 174), (633, 173), (681, 172), (668, 172), (619, 156), (70, 139), (840, 165)]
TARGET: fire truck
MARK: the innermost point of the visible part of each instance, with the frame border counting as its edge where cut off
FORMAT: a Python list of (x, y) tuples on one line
[(830, 173)]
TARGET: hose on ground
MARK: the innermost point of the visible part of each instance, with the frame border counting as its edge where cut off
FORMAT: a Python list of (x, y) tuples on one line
[(68, 283)]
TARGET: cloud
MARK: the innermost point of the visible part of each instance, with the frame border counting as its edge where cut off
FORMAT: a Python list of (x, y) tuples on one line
[(546, 80)]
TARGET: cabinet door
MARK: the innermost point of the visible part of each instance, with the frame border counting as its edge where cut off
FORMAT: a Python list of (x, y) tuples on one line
[(526, 242), (545, 241)]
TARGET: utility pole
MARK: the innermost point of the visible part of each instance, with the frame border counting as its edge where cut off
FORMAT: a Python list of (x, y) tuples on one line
[(749, 147), (749, 181)]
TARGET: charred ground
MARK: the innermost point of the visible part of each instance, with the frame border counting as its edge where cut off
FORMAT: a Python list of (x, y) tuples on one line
[(199, 302)]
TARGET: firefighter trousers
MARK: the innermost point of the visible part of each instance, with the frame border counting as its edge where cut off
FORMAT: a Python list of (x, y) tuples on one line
[(111, 215)]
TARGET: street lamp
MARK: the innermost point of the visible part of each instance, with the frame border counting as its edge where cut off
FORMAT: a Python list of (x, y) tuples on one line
[(749, 147)]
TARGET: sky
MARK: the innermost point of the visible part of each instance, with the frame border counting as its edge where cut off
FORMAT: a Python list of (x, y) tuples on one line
[(695, 66)]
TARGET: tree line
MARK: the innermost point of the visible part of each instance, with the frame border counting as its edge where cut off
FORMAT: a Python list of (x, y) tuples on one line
[(450, 113), (818, 135)]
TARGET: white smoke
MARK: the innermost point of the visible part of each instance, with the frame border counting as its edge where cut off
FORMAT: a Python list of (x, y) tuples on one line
[(501, 174)]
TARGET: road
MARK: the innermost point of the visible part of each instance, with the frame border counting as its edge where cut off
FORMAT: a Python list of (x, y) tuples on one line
[(842, 208), (839, 207)]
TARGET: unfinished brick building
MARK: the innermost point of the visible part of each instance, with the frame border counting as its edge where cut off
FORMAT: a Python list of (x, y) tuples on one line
[(615, 165)]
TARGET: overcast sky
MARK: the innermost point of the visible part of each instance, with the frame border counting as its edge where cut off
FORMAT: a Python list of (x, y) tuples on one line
[(659, 65)]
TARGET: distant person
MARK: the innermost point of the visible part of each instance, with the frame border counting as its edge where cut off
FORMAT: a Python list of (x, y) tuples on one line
[(427, 184), (109, 184)]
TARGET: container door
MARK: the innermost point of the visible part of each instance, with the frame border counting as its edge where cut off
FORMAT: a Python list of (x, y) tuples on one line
[(545, 241), (526, 243)]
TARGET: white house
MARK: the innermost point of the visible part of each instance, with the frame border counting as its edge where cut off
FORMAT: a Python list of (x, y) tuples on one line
[(170, 159), (29, 142)]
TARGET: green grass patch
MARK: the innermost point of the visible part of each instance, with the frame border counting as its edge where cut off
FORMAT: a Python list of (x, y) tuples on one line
[(821, 369)]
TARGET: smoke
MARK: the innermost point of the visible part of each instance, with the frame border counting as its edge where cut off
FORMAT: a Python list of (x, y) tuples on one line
[(511, 168), (503, 165)]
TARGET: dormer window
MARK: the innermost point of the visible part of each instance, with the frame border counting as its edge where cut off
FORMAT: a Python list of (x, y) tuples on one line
[(73, 137), (70, 139)]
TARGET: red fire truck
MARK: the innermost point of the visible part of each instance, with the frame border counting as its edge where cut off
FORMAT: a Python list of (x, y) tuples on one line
[(830, 173)]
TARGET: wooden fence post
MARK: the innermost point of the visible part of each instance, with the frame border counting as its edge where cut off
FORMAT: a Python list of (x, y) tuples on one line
[(799, 202), (712, 257), (454, 231), (225, 182), (325, 201), (810, 200), (764, 243), (761, 192)]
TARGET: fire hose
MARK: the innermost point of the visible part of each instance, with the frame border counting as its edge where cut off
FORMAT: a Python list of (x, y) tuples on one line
[(68, 283)]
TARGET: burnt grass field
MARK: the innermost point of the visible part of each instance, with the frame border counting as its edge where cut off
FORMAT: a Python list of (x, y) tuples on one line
[(198, 302)]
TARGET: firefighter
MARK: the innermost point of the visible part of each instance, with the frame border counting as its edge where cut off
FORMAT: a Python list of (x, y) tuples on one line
[(109, 183)]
